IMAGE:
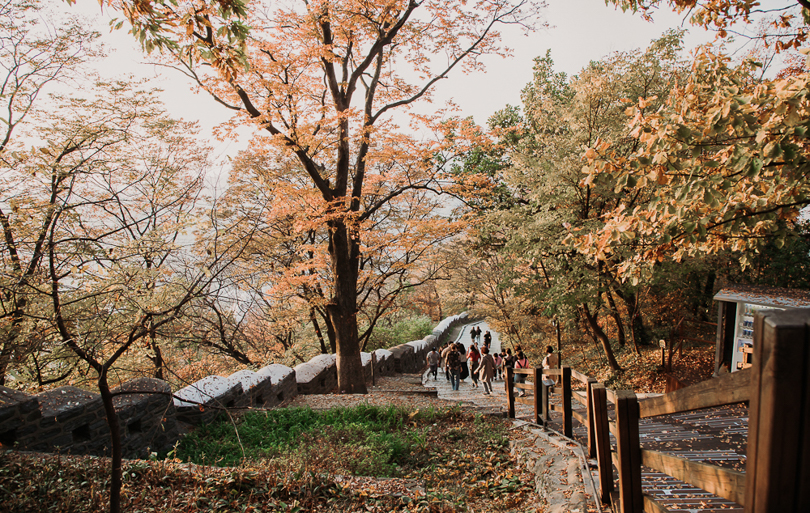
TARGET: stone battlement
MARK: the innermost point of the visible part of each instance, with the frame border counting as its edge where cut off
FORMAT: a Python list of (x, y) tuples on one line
[(152, 418)]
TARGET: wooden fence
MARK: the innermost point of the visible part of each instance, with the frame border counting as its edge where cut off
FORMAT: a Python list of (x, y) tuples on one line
[(777, 388)]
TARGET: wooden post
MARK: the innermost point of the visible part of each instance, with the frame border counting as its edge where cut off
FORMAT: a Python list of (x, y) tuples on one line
[(546, 407), (373, 364), (602, 437), (510, 389), (538, 390), (629, 452), (591, 430), (568, 420), (778, 457)]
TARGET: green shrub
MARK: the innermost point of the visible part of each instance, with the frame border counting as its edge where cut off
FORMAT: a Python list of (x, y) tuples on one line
[(400, 332)]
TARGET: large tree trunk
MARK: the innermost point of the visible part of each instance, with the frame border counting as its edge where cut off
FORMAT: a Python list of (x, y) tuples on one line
[(344, 249), (602, 337), (637, 328)]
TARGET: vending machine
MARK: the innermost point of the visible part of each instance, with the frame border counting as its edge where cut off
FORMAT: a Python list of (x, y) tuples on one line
[(735, 320)]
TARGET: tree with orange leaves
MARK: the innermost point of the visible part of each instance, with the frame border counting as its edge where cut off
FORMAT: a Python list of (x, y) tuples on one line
[(321, 80)]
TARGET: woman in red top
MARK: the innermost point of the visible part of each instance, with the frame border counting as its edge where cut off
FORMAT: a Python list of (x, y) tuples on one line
[(521, 363), (473, 356)]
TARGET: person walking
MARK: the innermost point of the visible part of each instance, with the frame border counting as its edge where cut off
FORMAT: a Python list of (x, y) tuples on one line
[(454, 367), (487, 339), (473, 356), (551, 361), (462, 357), (445, 352), (433, 359), (486, 370), (521, 362)]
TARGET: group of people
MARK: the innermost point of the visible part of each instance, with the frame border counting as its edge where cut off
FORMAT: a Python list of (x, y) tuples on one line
[(459, 362), (475, 335)]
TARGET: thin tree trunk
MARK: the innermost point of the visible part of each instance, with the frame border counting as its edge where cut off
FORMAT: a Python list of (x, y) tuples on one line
[(157, 359), (637, 329), (5, 357), (314, 320), (602, 337), (115, 442), (617, 318)]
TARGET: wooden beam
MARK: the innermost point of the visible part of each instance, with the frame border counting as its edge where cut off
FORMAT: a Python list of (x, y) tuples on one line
[(568, 428), (591, 426), (729, 484), (583, 419), (628, 449), (611, 395), (778, 455), (538, 398), (653, 506), (510, 392), (602, 438), (580, 397), (529, 401), (728, 389)]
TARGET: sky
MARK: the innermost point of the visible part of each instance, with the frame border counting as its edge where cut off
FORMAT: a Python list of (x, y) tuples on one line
[(579, 31)]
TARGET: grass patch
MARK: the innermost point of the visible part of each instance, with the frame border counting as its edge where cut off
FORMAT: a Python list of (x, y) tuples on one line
[(371, 441), (460, 459)]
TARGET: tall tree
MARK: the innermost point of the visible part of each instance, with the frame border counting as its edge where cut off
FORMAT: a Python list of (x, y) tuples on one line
[(724, 161), (548, 198), (321, 81), (109, 197), (35, 53)]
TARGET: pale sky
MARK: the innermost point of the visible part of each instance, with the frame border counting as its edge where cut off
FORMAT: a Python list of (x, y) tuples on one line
[(581, 31)]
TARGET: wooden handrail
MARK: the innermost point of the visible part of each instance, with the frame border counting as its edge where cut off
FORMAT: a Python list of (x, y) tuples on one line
[(581, 399), (582, 378), (723, 482), (729, 389), (776, 387)]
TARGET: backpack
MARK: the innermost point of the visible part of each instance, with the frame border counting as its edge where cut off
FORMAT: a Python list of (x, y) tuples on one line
[(453, 361)]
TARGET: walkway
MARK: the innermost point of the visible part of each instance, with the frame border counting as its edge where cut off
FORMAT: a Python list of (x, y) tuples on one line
[(717, 436), (558, 465)]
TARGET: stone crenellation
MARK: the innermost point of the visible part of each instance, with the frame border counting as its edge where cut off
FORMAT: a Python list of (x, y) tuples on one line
[(152, 418)]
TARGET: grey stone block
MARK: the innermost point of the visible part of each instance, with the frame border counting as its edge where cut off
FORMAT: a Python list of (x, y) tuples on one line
[(317, 376)]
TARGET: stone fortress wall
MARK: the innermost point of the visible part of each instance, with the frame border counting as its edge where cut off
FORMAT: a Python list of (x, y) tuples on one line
[(71, 420)]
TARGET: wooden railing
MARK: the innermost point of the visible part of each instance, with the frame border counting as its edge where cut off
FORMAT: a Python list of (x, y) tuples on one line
[(777, 389)]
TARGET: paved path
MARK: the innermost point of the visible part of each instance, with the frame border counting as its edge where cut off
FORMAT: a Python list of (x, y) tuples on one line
[(717, 436), (557, 464)]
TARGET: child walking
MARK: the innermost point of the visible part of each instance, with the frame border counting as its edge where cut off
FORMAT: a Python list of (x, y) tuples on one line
[(486, 370)]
